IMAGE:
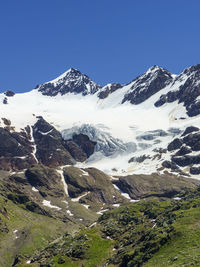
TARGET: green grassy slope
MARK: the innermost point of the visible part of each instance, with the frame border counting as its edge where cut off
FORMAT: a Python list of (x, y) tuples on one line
[(22, 232), (147, 233)]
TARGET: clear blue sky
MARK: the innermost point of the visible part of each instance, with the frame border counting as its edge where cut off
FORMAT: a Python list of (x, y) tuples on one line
[(109, 40)]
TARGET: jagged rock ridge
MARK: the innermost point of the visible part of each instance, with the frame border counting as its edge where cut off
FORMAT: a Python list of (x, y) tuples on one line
[(72, 81)]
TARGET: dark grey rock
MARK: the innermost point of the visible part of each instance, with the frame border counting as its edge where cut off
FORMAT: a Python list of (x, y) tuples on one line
[(195, 170), (175, 144), (183, 151), (109, 90), (9, 93), (190, 129)]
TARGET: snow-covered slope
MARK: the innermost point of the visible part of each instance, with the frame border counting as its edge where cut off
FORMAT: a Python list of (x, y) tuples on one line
[(116, 114)]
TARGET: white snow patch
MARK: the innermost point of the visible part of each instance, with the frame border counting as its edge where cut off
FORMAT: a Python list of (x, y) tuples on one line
[(86, 206), (116, 205), (47, 203), (122, 193), (45, 132), (84, 172), (101, 212), (34, 146), (69, 212), (64, 201), (177, 198), (35, 189), (65, 187), (77, 198), (93, 224)]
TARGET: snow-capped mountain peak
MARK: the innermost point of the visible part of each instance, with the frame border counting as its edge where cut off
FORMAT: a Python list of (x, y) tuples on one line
[(71, 81), (146, 85)]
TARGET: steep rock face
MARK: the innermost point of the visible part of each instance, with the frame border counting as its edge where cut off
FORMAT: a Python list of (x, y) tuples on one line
[(109, 89), (15, 149), (96, 184), (72, 81), (84, 143), (77, 153), (80, 147), (187, 92), (141, 186), (147, 85), (49, 144), (41, 143)]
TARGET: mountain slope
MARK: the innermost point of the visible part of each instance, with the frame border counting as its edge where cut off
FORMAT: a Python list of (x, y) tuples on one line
[(139, 234), (72, 101), (71, 150)]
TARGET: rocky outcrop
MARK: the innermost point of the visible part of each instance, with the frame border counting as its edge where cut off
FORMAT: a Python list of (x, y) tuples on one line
[(94, 183), (195, 170), (5, 100), (45, 179), (182, 149), (15, 150), (72, 81), (190, 129), (186, 160), (170, 165), (41, 144), (9, 93), (141, 186), (84, 143), (175, 144), (193, 140), (74, 149), (109, 89), (187, 92), (80, 147), (147, 85), (50, 145)]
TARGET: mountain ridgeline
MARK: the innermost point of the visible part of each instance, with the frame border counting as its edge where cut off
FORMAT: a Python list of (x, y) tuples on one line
[(184, 88), (95, 175)]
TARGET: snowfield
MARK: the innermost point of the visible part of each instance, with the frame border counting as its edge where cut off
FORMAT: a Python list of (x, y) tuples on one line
[(113, 121)]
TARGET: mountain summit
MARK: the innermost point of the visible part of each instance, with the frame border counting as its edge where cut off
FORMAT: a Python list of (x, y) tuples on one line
[(71, 81)]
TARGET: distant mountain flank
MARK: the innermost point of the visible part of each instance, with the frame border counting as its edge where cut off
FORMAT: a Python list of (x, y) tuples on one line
[(184, 88)]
